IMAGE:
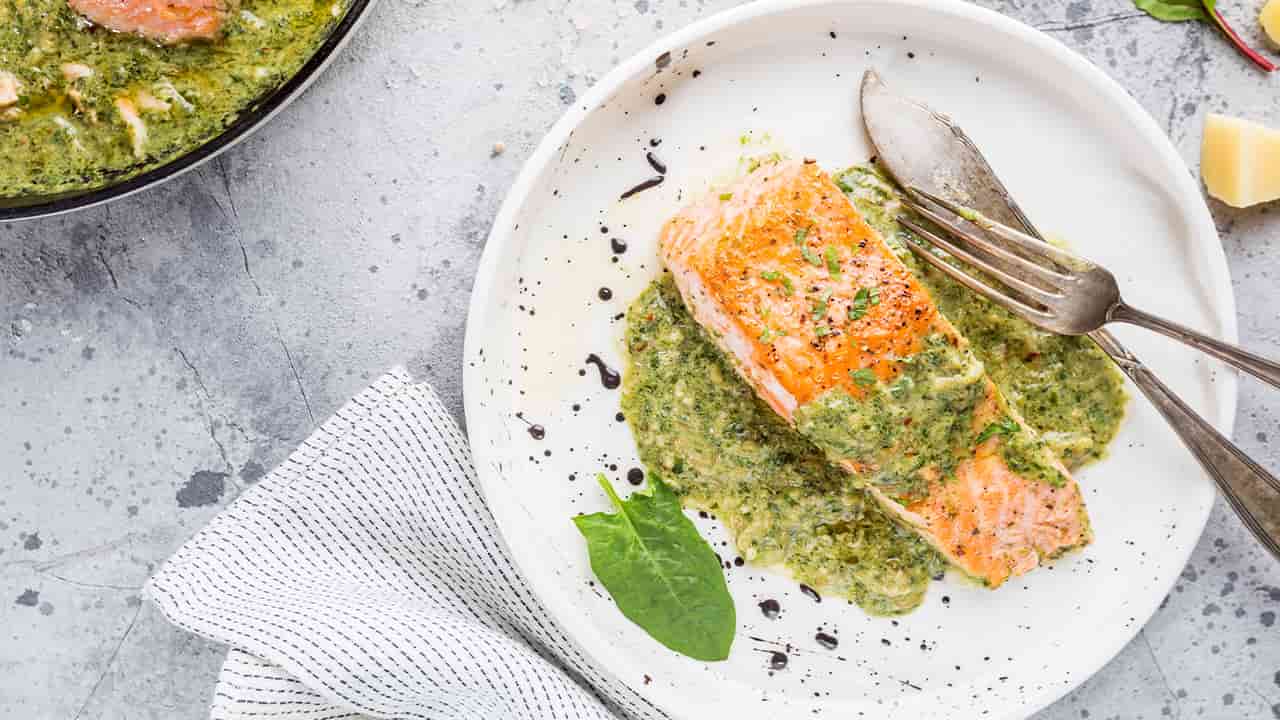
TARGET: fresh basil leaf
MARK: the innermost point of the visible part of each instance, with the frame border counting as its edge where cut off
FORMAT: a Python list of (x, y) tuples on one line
[(660, 572), (1173, 10)]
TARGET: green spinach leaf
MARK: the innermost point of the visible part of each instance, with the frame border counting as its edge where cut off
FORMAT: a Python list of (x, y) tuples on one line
[(1172, 10), (662, 575)]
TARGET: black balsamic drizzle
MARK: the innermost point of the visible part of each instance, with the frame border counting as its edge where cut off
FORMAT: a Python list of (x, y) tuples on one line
[(657, 165), (605, 294), (777, 661), (770, 608), (652, 182), (618, 245), (537, 432), (635, 476), (827, 641), (813, 594), (608, 376)]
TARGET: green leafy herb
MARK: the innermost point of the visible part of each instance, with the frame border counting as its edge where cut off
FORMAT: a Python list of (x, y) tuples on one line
[(858, 307), (902, 387), (660, 572), (844, 186), (873, 296), (863, 376), (1003, 426), (810, 256), (801, 234), (820, 307), (725, 196), (775, 276), (833, 260), (1204, 10), (769, 335), (822, 331)]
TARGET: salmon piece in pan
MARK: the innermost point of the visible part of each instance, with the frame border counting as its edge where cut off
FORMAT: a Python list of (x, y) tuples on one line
[(838, 337), (164, 21)]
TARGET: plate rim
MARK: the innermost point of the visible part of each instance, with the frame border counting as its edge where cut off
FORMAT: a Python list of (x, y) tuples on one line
[(1191, 202)]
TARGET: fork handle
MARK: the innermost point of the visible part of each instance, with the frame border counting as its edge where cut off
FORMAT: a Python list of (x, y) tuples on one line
[(1252, 491), (1234, 355)]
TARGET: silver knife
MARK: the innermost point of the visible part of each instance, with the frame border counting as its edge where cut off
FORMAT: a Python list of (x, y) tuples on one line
[(919, 147)]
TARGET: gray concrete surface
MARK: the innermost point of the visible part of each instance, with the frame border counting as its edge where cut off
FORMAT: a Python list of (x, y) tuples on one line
[(157, 355)]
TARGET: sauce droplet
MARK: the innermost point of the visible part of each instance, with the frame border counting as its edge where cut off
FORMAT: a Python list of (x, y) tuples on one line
[(657, 165), (608, 376), (635, 476), (770, 608), (605, 294), (827, 641), (660, 98), (813, 594), (618, 245), (652, 182), (537, 432), (777, 661), (655, 142)]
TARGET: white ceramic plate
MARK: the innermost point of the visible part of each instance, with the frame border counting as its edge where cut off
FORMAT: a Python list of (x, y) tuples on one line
[(1083, 159)]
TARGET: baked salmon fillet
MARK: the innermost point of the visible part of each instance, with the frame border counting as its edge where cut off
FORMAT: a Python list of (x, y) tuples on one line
[(837, 336)]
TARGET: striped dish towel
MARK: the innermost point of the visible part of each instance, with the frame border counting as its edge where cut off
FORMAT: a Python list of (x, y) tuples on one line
[(365, 577)]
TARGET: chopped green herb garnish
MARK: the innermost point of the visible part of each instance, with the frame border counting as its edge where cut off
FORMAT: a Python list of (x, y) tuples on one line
[(873, 295), (863, 377), (858, 307), (769, 335), (801, 234), (822, 331), (810, 256), (902, 387), (1004, 426), (833, 260), (725, 196), (775, 276), (820, 307), (844, 186)]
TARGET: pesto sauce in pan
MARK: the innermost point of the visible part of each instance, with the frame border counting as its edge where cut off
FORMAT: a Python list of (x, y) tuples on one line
[(726, 452), (67, 134)]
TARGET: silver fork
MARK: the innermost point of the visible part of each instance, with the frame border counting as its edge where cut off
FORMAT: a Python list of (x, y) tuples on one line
[(1064, 293)]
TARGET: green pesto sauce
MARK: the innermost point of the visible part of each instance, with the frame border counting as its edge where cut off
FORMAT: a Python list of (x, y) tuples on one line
[(54, 142), (922, 420), (726, 452), (1065, 387)]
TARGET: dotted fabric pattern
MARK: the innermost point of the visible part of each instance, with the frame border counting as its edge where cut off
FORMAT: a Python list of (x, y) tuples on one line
[(364, 577)]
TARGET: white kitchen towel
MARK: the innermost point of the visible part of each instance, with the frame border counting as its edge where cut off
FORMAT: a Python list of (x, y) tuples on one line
[(364, 577)]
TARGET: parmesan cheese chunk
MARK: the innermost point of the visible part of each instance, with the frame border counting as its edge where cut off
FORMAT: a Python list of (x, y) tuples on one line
[(1240, 161), (1270, 19)]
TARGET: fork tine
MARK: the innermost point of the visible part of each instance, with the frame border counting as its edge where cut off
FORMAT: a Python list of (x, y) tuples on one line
[(1006, 259), (1031, 314), (1018, 285), (1035, 247)]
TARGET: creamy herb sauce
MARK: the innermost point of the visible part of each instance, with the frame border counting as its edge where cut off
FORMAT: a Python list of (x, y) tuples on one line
[(68, 134), (1065, 387), (726, 452), (711, 439)]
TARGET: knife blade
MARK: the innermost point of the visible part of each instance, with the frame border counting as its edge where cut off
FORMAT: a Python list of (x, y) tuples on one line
[(919, 146)]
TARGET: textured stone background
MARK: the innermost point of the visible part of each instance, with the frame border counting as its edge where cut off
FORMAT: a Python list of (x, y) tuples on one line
[(159, 354)]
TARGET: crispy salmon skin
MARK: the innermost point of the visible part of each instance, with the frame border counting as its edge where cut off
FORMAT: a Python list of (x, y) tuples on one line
[(839, 338)]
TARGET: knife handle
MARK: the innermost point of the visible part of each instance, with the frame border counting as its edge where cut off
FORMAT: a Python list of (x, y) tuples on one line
[(1252, 491)]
